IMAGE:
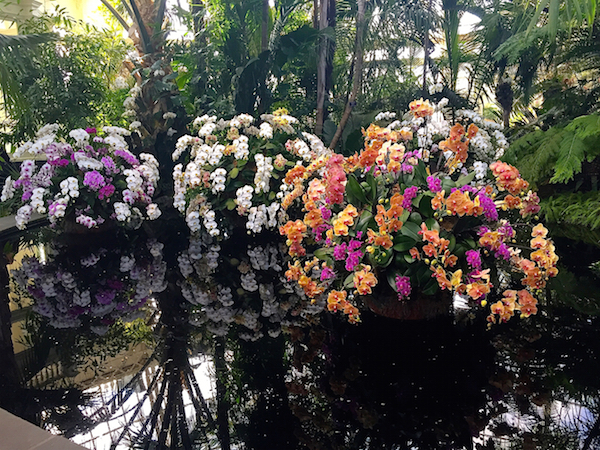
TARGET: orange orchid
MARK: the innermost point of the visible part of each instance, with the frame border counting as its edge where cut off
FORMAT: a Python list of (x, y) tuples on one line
[(440, 275), (414, 253), (539, 231), (421, 108), (380, 240), (478, 290), (336, 300), (438, 201), (364, 280)]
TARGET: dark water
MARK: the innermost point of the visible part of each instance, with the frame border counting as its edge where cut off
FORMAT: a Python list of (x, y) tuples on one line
[(280, 373)]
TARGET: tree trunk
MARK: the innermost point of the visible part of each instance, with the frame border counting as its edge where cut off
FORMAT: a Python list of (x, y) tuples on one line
[(324, 67), (505, 96), (264, 45), (426, 47), (357, 64)]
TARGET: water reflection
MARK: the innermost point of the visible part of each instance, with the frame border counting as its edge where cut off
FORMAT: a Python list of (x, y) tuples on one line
[(275, 372)]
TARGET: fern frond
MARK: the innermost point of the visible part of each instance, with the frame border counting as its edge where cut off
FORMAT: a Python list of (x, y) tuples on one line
[(535, 154), (571, 155), (581, 209), (585, 126), (557, 154)]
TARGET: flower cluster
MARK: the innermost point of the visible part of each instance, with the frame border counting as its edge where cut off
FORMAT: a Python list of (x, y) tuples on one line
[(93, 179), (415, 209), (92, 289), (235, 167)]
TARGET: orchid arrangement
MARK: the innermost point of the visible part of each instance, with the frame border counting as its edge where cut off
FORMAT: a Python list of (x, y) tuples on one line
[(92, 179), (421, 209), (92, 289), (234, 170)]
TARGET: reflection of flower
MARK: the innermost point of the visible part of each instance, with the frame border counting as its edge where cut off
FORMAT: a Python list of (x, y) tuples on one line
[(397, 212), (92, 289), (95, 177), (234, 165), (250, 294)]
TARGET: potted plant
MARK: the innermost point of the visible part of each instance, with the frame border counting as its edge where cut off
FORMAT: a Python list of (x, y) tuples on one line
[(422, 214), (86, 181)]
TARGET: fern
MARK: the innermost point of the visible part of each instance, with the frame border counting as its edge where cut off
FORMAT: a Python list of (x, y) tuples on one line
[(585, 126), (571, 153), (556, 155), (535, 154), (582, 209)]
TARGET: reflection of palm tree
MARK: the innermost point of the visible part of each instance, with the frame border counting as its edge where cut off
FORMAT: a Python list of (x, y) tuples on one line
[(166, 425)]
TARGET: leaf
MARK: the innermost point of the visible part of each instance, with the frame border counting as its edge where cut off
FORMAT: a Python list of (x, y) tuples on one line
[(425, 207), (230, 204), (452, 244), (431, 287), (391, 278), (411, 230), (407, 258), (420, 173), (383, 258), (432, 224), (403, 243), (349, 281), (585, 126), (423, 274), (373, 184), (416, 217), (356, 194), (323, 253), (447, 185), (363, 221), (569, 162), (464, 180)]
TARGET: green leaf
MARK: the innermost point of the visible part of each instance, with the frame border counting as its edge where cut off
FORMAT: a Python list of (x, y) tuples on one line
[(452, 244), (391, 278), (323, 253), (416, 217), (383, 258), (570, 157), (420, 173), (407, 258), (447, 185), (363, 221), (405, 215), (373, 185), (230, 204), (432, 224), (423, 274), (349, 281), (431, 287), (464, 180), (233, 173), (356, 194), (403, 243), (411, 230), (424, 205)]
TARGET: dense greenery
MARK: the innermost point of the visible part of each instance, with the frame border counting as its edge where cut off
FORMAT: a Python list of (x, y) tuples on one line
[(69, 80)]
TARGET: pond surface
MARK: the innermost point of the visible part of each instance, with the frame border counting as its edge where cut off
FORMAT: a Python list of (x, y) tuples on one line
[(129, 347)]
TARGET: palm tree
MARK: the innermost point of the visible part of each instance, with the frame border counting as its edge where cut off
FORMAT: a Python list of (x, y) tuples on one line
[(15, 54)]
